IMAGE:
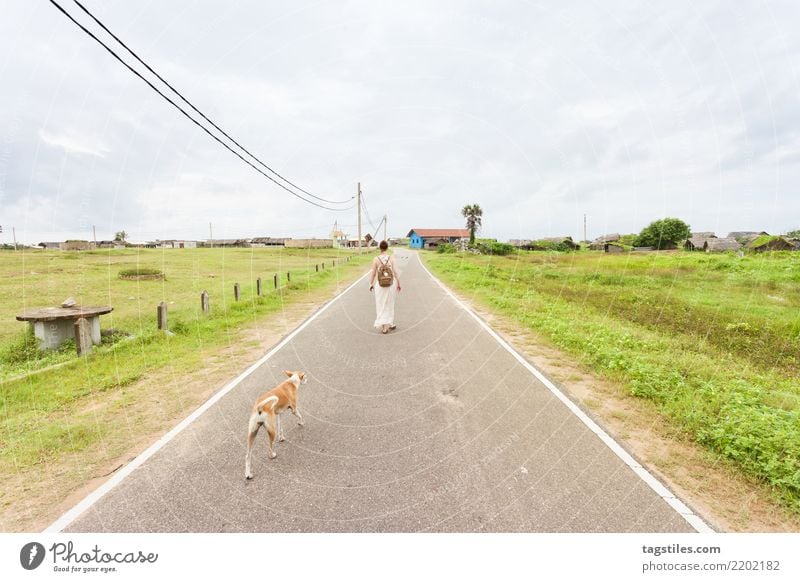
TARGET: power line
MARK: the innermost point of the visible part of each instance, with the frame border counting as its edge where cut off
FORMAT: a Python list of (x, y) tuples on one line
[(189, 117), (366, 213), (190, 104)]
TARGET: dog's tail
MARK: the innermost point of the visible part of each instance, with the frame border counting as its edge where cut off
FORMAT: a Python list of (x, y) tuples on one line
[(267, 403)]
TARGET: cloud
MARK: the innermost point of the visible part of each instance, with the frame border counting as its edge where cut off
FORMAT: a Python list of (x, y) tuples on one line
[(72, 144)]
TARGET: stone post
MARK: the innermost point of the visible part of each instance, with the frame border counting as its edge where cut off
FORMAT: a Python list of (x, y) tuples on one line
[(162, 316), (236, 291), (83, 336), (204, 302)]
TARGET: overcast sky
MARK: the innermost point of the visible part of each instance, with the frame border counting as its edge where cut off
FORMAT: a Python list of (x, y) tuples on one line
[(540, 112)]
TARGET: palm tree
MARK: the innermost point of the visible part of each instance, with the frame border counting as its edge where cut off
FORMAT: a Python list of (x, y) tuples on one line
[(473, 213)]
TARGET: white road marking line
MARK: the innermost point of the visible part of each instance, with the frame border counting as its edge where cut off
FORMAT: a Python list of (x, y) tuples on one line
[(668, 496), (95, 495)]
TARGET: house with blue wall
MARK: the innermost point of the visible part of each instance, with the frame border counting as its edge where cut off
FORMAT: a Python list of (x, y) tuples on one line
[(430, 238)]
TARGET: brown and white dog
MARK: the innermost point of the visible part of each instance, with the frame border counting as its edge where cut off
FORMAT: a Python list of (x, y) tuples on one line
[(267, 412)]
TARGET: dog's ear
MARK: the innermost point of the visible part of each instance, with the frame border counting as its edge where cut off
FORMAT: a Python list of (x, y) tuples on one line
[(302, 377), (288, 373)]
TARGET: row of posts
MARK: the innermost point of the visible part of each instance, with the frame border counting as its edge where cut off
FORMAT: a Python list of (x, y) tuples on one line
[(204, 302)]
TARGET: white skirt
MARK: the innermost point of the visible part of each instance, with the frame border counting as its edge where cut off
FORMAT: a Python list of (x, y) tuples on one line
[(384, 305)]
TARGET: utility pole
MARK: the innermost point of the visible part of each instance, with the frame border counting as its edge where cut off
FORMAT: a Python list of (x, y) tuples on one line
[(384, 229), (358, 204), (94, 235), (14, 232), (210, 235), (584, 227)]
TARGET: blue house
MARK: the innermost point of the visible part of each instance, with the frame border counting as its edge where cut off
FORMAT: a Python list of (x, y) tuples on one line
[(430, 238)]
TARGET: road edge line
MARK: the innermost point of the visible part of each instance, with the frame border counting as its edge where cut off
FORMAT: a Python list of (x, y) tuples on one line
[(657, 486), (82, 506)]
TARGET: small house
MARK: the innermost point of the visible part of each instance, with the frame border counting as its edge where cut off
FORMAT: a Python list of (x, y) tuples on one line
[(429, 238)]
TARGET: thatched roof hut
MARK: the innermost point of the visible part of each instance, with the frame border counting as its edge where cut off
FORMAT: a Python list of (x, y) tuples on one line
[(720, 245), (697, 242), (766, 243)]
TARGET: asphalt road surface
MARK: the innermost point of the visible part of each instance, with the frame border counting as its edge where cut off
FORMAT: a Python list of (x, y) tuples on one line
[(433, 427)]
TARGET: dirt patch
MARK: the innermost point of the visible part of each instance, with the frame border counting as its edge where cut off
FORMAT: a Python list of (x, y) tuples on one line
[(718, 492), (31, 500)]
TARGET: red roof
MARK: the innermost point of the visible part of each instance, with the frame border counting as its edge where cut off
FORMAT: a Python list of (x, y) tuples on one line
[(441, 232)]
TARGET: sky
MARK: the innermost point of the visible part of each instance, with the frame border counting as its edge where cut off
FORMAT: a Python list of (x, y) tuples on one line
[(540, 112)]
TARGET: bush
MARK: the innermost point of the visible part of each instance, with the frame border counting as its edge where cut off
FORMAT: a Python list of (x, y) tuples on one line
[(495, 248), (141, 273), (446, 248), (663, 234)]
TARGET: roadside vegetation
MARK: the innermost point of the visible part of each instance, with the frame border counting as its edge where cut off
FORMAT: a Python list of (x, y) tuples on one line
[(712, 341)]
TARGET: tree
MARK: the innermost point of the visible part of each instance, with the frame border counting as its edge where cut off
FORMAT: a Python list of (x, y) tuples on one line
[(793, 233), (663, 234), (121, 236), (473, 214)]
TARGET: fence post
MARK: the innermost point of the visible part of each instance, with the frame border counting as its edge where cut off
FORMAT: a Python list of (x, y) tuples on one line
[(288, 277), (317, 268), (258, 286), (204, 301), (276, 280), (236, 291), (323, 266), (83, 336), (162, 316)]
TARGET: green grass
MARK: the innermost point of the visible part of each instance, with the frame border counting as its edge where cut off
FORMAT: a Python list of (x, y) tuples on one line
[(713, 341), (47, 411)]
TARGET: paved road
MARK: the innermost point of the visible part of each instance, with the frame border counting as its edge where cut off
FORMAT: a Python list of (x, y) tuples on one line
[(434, 427)]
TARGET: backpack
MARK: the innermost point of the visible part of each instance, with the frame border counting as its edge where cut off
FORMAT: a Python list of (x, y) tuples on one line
[(385, 274)]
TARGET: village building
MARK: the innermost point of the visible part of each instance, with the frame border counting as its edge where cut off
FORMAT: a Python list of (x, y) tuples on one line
[(767, 243), (430, 238), (268, 241), (746, 236), (228, 242), (721, 245), (697, 242), (308, 243), (599, 244)]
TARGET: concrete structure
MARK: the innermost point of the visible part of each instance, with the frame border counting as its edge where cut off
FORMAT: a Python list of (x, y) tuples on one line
[(53, 325), (432, 237)]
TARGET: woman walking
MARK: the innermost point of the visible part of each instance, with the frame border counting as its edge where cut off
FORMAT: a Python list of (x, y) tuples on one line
[(384, 294)]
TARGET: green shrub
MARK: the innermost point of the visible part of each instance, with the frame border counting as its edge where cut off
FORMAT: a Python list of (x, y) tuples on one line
[(147, 272), (494, 248), (446, 248)]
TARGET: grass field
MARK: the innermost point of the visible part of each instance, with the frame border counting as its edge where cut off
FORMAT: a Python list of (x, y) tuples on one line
[(60, 404), (713, 341)]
